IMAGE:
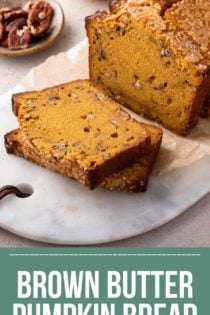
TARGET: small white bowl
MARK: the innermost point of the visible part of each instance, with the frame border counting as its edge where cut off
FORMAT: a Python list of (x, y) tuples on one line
[(43, 43)]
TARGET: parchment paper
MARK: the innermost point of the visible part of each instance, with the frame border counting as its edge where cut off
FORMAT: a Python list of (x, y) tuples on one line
[(175, 152)]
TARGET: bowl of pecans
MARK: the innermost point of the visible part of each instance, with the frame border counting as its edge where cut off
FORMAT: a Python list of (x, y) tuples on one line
[(27, 27)]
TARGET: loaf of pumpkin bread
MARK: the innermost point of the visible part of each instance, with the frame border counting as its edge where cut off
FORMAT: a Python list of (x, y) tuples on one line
[(78, 130), (153, 56), (132, 179)]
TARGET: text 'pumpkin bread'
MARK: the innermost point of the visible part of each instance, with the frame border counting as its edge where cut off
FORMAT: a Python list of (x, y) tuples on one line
[(81, 130), (153, 56)]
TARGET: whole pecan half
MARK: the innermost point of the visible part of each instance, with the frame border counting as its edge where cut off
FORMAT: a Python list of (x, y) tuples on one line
[(14, 14), (19, 23), (39, 18), (19, 38), (9, 9)]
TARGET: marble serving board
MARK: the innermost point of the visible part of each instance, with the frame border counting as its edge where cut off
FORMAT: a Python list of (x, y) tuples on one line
[(61, 211)]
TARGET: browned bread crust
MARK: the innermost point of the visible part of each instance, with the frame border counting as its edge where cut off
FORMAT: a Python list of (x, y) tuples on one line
[(135, 178), (132, 179), (116, 5), (44, 118)]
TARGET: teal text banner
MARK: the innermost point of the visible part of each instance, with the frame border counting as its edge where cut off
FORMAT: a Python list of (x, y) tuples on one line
[(104, 281)]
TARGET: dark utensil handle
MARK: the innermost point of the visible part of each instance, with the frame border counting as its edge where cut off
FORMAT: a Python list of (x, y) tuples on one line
[(9, 189)]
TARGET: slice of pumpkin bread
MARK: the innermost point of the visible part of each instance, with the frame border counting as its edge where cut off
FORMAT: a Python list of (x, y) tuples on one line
[(135, 178), (131, 179), (79, 128), (151, 61)]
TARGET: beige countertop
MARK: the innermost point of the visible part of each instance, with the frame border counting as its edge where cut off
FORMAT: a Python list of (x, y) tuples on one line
[(192, 228)]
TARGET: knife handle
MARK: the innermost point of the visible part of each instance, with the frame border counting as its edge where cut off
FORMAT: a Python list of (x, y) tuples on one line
[(10, 189)]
